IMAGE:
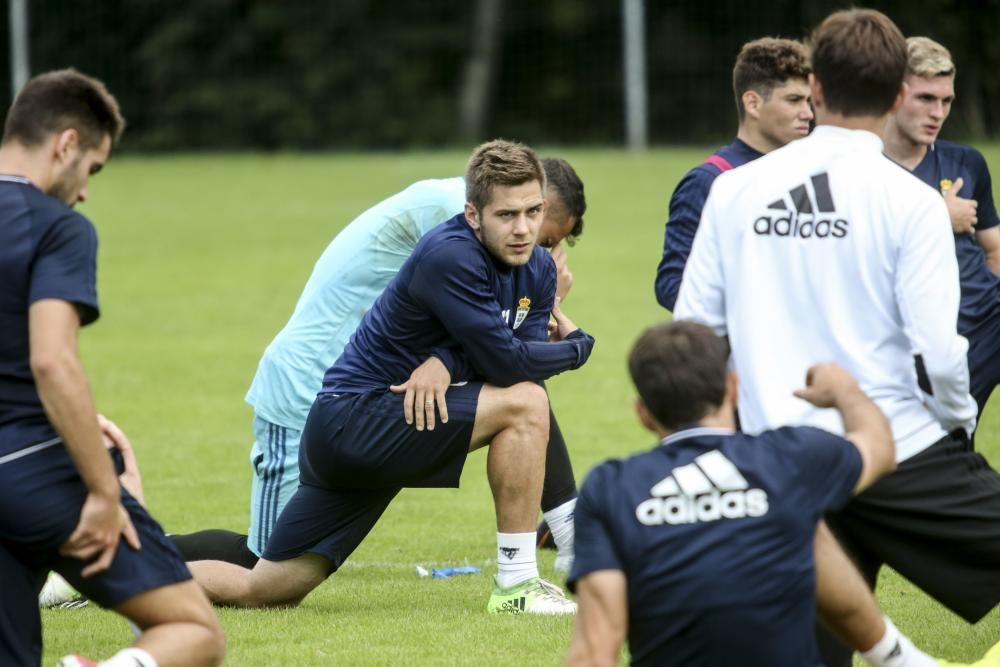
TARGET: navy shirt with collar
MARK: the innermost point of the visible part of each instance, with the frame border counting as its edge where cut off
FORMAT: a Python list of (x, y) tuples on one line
[(452, 299), (714, 532), (686, 205), (944, 163), (47, 251)]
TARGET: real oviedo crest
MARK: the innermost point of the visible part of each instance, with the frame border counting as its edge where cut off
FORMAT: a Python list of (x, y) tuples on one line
[(523, 306)]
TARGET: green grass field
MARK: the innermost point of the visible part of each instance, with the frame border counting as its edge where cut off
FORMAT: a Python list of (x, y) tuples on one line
[(202, 259)]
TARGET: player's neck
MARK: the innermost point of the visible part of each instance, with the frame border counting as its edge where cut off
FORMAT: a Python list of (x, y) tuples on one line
[(901, 149), (751, 135), (874, 124), (724, 417), (16, 160)]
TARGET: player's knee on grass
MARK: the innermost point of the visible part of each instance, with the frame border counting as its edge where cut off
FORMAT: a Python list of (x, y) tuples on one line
[(286, 583)]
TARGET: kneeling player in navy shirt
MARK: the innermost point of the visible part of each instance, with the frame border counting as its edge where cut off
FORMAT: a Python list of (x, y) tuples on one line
[(470, 307), (701, 550)]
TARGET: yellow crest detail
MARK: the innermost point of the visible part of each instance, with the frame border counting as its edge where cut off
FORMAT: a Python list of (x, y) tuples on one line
[(523, 306), (945, 184)]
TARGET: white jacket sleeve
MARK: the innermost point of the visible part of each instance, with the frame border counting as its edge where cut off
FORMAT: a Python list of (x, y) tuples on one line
[(702, 295), (928, 294)]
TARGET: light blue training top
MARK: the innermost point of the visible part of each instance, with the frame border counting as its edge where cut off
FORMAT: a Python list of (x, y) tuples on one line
[(349, 276)]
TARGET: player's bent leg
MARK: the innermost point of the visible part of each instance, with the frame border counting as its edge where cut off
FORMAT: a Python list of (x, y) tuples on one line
[(215, 544), (515, 421), (558, 499), (282, 583), (178, 626), (20, 621), (274, 459)]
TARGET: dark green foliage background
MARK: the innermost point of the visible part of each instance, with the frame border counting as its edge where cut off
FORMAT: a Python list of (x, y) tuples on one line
[(306, 74)]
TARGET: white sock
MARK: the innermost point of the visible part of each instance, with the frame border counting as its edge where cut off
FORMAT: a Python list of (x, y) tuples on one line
[(896, 650), (130, 657), (515, 558), (560, 522)]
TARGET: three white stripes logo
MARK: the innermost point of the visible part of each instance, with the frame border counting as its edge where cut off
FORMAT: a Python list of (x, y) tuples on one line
[(708, 489), (806, 213)]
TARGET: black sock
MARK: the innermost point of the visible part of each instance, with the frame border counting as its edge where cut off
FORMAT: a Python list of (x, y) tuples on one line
[(560, 485), (215, 544)]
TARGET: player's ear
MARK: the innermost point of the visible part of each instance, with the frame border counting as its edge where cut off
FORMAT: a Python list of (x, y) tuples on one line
[(646, 417), (472, 216), (66, 144), (816, 89), (732, 389), (900, 97), (752, 102)]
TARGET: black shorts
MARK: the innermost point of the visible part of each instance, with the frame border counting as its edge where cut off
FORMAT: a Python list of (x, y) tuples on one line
[(936, 521), (356, 453), (41, 496)]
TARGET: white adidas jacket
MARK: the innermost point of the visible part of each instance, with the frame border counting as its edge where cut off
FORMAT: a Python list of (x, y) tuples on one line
[(825, 250)]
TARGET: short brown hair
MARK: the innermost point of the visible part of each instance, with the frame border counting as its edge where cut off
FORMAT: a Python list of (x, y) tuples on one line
[(764, 64), (500, 162), (56, 101), (859, 56), (927, 58), (679, 369)]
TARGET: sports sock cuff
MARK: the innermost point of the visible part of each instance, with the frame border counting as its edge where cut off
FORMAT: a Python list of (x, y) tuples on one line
[(890, 651), (130, 657), (560, 521)]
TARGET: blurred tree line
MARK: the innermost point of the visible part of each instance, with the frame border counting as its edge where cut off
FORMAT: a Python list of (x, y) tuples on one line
[(308, 74)]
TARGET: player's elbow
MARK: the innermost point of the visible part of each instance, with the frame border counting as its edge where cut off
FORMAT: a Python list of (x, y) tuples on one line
[(884, 456), (50, 365)]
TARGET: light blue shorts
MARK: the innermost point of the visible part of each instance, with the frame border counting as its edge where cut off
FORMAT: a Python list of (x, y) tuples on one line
[(275, 462)]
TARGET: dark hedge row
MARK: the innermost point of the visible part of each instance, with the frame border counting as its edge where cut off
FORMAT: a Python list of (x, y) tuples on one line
[(295, 74)]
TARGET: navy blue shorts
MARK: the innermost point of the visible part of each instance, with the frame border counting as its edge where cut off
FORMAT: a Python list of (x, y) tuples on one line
[(984, 359), (356, 453), (41, 495)]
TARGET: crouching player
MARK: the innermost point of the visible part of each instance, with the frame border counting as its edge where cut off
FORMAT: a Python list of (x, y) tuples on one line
[(470, 306)]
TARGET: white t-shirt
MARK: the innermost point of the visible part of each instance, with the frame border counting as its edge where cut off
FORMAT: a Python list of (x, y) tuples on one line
[(825, 250)]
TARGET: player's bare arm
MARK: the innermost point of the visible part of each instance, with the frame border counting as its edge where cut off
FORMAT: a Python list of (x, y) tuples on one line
[(828, 385), (564, 326), (564, 277), (601, 620), (989, 241), (54, 327), (115, 438)]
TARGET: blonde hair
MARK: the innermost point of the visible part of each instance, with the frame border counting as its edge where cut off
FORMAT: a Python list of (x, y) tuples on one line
[(927, 58)]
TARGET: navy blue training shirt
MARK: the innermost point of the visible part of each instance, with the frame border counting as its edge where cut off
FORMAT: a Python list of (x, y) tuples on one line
[(47, 251), (947, 162), (714, 532), (485, 320), (686, 205)]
